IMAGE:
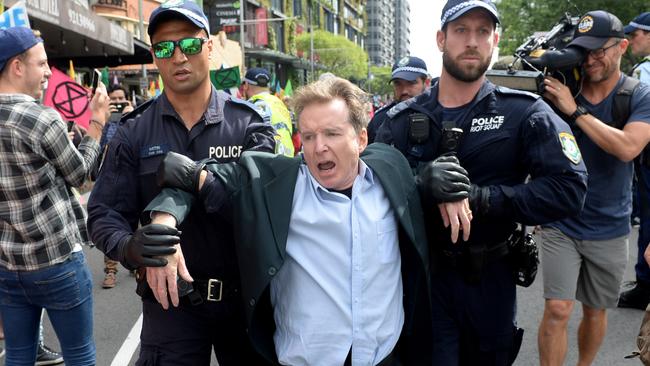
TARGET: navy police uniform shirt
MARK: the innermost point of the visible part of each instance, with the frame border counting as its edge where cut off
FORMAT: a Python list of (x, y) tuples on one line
[(377, 120), (507, 136), (127, 179)]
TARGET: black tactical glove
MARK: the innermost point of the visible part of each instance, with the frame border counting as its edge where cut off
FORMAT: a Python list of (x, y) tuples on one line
[(179, 171), (479, 199), (148, 242), (443, 180)]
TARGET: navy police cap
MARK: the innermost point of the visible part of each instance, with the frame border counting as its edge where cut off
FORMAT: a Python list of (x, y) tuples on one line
[(257, 76), (454, 9), (178, 9), (409, 68), (640, 22)]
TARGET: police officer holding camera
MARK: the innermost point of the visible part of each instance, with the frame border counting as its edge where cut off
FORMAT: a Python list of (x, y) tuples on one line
[(497, 137), (193, 118), (584, 256)]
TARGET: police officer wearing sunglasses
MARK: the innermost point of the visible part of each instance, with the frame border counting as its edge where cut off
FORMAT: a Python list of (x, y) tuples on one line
[(192, 118)]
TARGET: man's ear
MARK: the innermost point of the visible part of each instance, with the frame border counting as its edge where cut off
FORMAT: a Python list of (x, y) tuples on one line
[(209, 44), (440, 40), (363, 139)]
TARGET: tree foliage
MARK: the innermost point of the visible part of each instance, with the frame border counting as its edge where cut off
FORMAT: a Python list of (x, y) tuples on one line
[(521, 18), (336, 54), (380, 83)]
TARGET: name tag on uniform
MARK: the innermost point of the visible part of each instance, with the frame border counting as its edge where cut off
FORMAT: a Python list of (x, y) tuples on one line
[(154, 150)]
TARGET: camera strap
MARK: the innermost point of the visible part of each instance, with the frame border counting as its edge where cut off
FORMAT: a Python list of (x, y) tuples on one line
[(622, 105)]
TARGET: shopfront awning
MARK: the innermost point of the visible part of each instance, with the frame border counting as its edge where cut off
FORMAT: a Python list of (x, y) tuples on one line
[(71, 30), (140, 56), (277, 56)]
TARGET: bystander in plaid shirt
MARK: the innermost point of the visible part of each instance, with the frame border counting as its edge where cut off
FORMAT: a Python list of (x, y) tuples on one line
[(41, 221)]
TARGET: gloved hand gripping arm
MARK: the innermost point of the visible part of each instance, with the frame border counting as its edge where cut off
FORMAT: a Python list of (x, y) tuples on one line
[(149, 242)]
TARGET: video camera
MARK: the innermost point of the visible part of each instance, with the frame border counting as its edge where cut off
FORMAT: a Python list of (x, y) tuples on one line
[(541, 55)]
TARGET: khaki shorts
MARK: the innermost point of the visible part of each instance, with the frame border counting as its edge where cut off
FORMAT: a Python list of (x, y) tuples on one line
[(590, 271)]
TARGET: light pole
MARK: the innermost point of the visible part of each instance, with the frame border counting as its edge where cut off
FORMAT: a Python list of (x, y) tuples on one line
[(311, 41), (242, 9), (141, 27)]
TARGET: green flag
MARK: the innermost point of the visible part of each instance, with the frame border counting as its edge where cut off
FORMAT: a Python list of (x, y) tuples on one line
[(105, 76), (225, 78), (288, 90)]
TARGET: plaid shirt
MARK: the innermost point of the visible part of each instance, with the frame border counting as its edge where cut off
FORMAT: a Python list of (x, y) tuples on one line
[(40, 219)]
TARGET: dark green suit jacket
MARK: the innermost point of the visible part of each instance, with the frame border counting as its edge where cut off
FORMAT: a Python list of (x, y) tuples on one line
[(257, 193)]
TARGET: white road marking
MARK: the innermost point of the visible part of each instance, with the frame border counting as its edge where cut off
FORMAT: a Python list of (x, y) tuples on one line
[(124, 355)]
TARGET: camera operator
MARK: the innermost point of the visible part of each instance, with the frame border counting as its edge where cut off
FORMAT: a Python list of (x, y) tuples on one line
[(584, 256)]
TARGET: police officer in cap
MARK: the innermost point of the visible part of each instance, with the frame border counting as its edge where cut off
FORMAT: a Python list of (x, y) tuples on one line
[(255, 87), (638, 34), (193, 118), (409, 78), (466, 126)]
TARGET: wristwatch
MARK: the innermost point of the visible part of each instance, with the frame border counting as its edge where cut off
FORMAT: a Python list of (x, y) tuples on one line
[(580, 111)]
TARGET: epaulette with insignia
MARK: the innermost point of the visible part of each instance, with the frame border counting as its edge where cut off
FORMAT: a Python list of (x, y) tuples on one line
[(384, 108), (138, 110), (399, 107), (251, 106), (506, 90)]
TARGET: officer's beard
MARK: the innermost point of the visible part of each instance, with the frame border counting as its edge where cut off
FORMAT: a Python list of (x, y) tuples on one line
[(467, 74)]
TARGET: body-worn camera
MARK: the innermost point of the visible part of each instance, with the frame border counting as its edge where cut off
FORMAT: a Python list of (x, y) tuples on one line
[(418, 128), (543, 54), (450, 137)]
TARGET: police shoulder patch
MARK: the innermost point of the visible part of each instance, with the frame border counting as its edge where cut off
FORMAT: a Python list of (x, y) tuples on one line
[(399, 107), (570, 147), (251, 106)]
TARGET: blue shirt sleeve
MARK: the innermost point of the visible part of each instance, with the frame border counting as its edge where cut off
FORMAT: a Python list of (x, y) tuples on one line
[(112, 210), (640, 103)]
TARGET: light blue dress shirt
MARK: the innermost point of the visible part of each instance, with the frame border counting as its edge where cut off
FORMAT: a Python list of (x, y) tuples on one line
[(341, 284)]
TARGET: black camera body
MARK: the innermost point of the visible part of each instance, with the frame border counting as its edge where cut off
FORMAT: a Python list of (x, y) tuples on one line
[(120, 106), (544, 54)]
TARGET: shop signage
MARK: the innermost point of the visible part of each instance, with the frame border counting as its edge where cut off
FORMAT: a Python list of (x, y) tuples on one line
[(224, 14), (16, 16), (74, 17)]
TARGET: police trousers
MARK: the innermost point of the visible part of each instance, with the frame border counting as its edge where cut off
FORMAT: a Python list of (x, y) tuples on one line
[(473, 324), (187, 334)]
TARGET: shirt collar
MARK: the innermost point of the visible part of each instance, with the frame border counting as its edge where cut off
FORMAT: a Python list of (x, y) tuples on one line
[(16, 98), (364, 171), (213, 114)]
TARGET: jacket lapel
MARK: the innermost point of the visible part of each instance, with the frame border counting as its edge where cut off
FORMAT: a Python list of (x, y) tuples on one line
[(278, 196)]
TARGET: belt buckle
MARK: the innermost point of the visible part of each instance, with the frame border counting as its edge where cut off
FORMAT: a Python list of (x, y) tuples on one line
[(214, 296)]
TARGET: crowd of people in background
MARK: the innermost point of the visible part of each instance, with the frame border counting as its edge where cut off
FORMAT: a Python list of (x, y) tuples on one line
[(331, 227)]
